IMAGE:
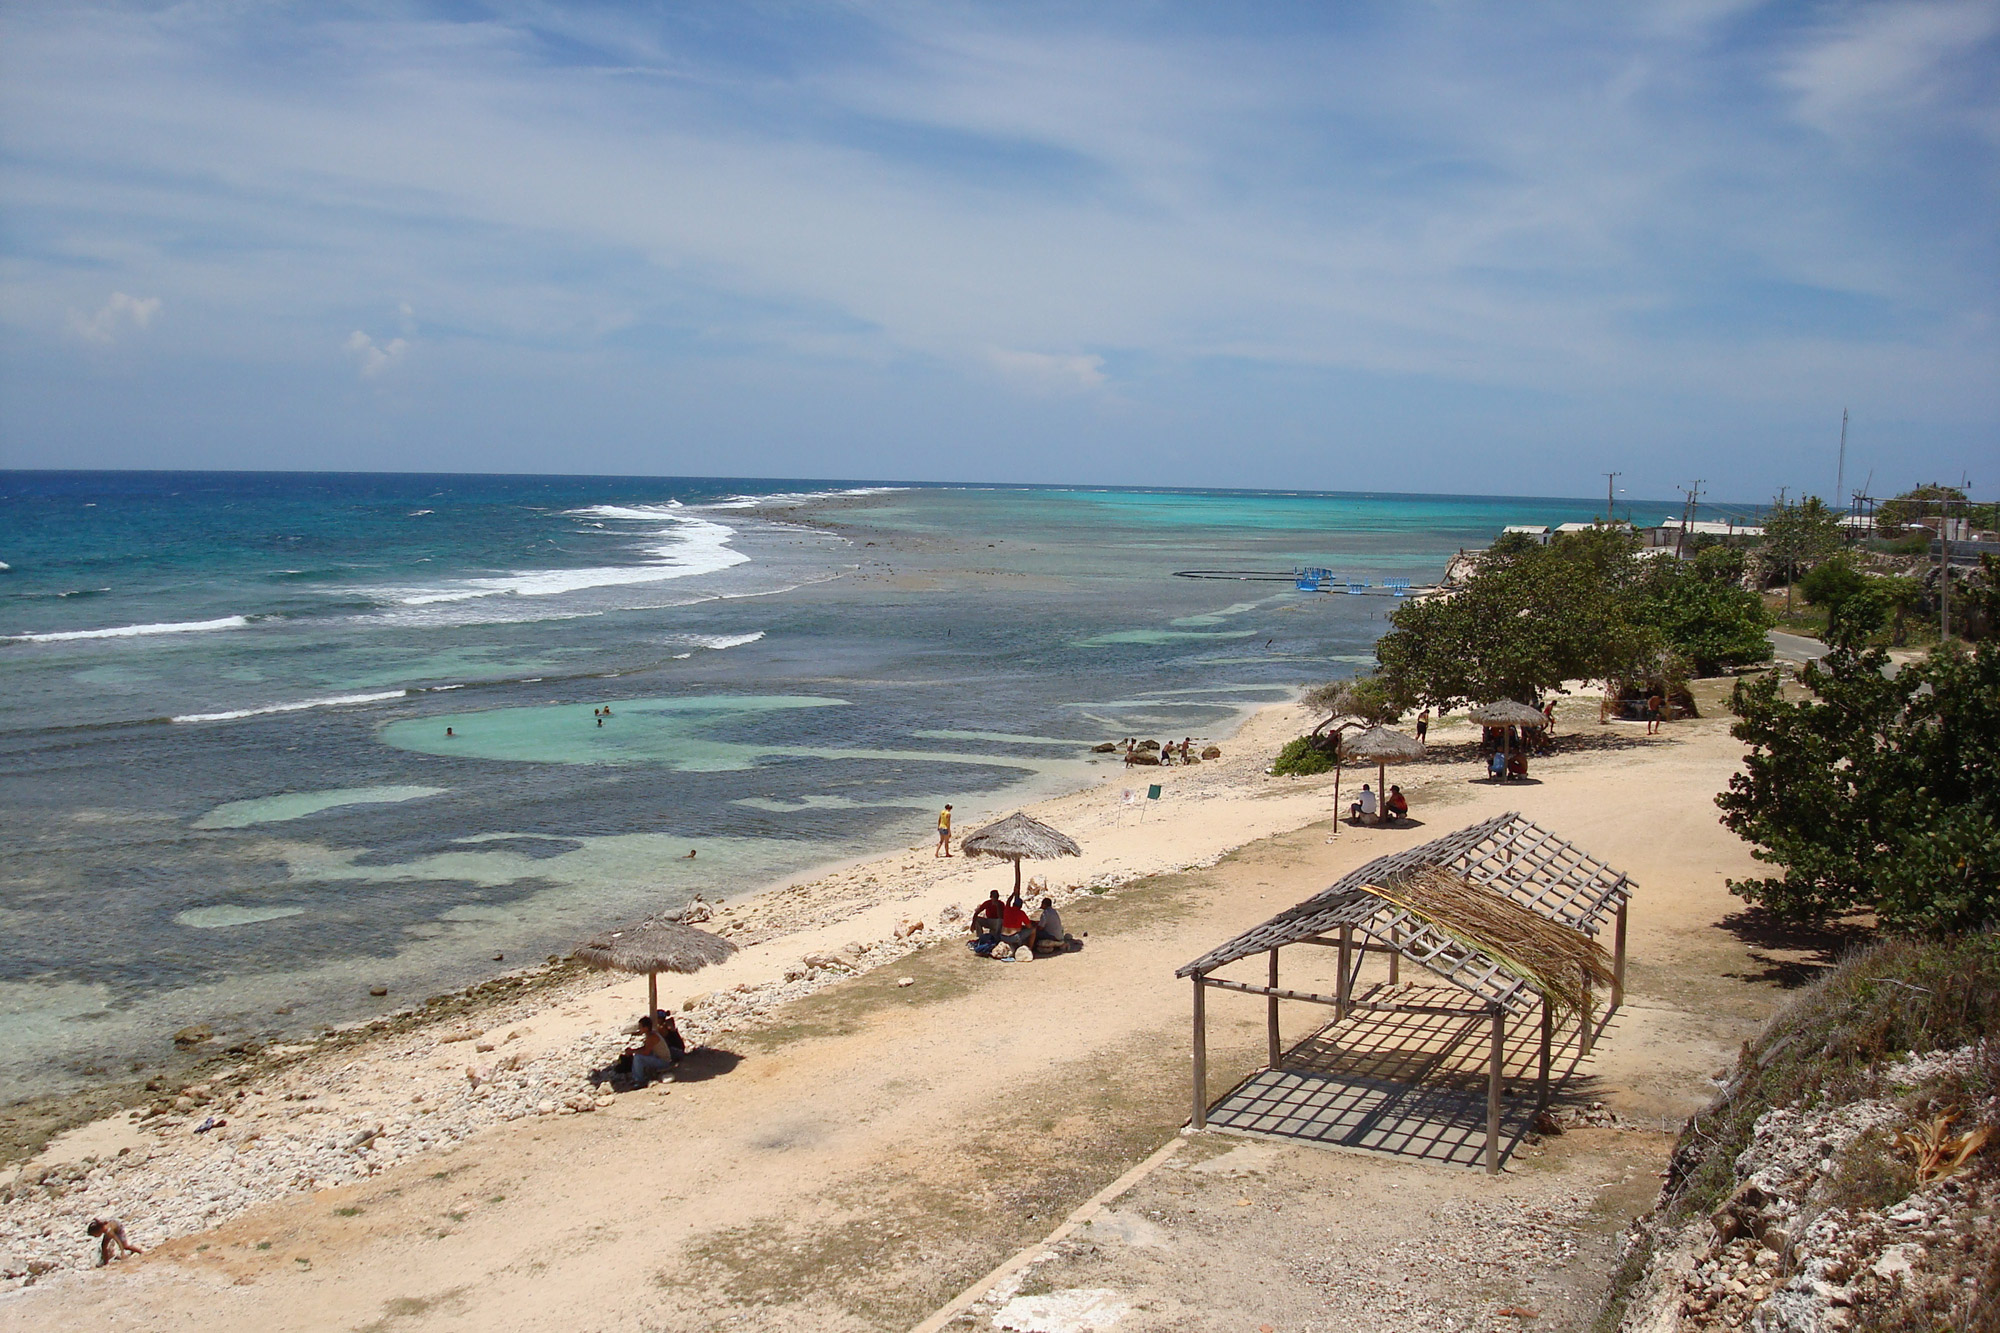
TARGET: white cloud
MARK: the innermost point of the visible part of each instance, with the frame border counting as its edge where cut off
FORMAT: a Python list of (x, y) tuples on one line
[(1047, 373), (1890, 56), (115, 316), (374, 358)]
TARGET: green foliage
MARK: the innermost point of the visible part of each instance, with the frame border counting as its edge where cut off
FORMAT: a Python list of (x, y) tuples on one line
[(1363, 697), (1833, 583), (1713, 623), (1798, 536), (1720, 562), (1583, 607), (1859, 606), (1879, 792), (1929, 501), (1304, 756), (1526, 622)]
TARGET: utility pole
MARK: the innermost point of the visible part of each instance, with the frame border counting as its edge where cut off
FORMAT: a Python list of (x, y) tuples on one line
[(1610, 496), (1688, 511)]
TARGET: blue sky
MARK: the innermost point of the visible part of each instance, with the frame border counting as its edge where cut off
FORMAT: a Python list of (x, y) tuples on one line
[(1415, 246)]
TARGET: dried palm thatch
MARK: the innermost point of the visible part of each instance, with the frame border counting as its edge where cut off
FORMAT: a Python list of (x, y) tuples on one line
[(1018, 837), (655, 946), (1547, 955), (1506, 713), (1380, 745)]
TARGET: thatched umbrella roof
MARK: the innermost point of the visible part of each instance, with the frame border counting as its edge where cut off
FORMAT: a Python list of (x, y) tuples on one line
[(1380, 745), (1506, 713), (1018, 837), (654, 947), (1384, 747)]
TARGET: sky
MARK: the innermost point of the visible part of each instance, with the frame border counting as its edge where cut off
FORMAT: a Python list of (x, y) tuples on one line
[(1442, 247)]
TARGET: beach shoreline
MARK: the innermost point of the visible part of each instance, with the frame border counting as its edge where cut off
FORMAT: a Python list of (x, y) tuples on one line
[(797, 1053), (61, 1130)]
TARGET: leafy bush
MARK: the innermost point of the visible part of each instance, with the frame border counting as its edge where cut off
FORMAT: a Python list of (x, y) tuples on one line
[(1879, 792), (1303, 757)]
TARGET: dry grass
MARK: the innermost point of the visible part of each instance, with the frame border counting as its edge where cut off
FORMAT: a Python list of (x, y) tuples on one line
[(1551, 957)]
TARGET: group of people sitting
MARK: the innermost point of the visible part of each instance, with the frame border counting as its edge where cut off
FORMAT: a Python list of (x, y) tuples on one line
[(996, 923), (1368, 805), (659, 1049)]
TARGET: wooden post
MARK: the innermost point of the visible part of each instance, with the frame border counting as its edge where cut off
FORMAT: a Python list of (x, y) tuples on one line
[(1548, 1044), (1586, 1036), (1346, 959), (1200, 1117), (1618, 957), (652, 993), (1493, 1091), (1271, 1011), (1395, 962)]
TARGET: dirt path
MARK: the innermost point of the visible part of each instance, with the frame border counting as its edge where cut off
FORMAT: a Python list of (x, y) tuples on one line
[(856, 1164)]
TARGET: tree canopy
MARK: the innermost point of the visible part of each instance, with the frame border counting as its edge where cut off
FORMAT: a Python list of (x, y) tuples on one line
[(1879, 792), (1586, 606), (1799, 535)]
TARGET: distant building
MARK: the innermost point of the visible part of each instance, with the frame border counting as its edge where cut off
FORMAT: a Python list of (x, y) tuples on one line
[(1538, 531), (1669, 530)]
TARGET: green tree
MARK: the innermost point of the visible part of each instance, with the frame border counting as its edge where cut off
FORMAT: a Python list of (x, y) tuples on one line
[(1713, 623), (1529, 620), (1877, 792), (1798, 537), (1929, 501)]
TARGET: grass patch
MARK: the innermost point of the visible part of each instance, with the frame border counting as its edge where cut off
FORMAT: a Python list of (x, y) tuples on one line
[(347, 1212)]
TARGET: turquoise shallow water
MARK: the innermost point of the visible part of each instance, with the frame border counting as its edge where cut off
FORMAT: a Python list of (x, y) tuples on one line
[(227, 791)]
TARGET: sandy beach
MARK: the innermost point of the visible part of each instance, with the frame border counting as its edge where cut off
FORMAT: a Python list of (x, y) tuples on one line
[(877, 1119)]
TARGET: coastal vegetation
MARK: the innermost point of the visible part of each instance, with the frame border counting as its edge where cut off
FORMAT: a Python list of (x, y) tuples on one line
[(1588, 605), (1878, 790)]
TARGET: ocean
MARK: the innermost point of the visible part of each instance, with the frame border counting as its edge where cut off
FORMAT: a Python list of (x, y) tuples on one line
[(270, 740)]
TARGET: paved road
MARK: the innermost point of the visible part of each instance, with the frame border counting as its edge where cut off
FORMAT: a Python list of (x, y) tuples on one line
[(1796, 647)]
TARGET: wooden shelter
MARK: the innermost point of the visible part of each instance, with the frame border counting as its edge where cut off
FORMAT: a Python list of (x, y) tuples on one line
[(1373, 910)]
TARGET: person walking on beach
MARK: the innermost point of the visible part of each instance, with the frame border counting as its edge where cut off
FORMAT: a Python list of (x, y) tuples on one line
[(1423, 725), (944, 834), (1656, 709)]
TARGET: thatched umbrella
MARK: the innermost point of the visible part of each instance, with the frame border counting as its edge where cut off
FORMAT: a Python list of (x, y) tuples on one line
[(1507, 713), (1384, 747), (654, 947), (1018, 837)]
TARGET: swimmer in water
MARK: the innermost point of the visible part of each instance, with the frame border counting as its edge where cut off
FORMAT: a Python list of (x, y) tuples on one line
[(449, 732)]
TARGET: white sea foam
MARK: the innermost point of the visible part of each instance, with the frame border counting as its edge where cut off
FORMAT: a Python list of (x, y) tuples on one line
[(797, 497), (335, 701), (691, 546), (134, 631), (724, 640)]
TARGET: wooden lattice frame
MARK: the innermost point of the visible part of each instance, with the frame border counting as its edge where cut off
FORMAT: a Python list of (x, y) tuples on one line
[(1508, 853)]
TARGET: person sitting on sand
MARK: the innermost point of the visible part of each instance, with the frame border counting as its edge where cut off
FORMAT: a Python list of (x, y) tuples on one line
[(650, 1057), (1049, 926), (1496, 765), (670, 1033), (986, 917), (1016, 926), (1517, 761), (1399, 804), (1362, 807), (111, 1241)]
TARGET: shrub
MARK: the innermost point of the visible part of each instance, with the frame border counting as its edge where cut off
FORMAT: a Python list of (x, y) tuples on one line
[(1303, 757)]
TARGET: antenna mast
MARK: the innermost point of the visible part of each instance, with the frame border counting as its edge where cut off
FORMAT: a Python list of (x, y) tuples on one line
[(1610, 496), (1840, 470)]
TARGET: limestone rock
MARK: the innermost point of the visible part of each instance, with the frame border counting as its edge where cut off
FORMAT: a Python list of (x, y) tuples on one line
[(1212, 752), (194, 1036)]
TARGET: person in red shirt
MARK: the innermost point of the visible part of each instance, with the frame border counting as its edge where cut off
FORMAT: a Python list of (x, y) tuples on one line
[(1016, 926), (986, 917)]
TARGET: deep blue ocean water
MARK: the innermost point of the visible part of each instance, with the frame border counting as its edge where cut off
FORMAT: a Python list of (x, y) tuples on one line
[(226, 788)]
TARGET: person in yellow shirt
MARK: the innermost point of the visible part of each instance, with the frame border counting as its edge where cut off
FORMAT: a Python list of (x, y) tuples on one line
[(944, 833)]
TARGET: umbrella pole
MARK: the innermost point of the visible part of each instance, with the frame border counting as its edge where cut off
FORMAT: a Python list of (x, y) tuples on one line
[(1381, 794), (1336, 794), (1017, 877), (652, 993)]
